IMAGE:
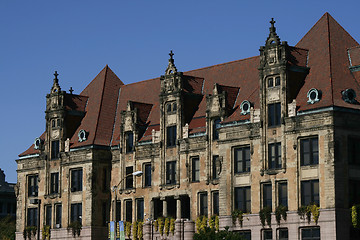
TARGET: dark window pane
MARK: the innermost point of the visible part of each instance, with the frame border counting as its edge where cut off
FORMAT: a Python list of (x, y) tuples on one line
[(310, 234), (216, 203), (270, 82), (54, 183), (274, 156), (309, 151), (76, 212), (118, 211), (216, 167), (274, 114), (268, 234), (242, 199), (48, 210), (216, 126), (283, 198), (171, 136), (310, 192), (33, 186), (32, 217), (170, 172), (54, 149), (58, 213), (195, 169), (129, 177), (245, 234), (76, 180), (140, 209), (203, 204), (283, 234), (267, 195), (147, 176), (128, 211), (242, 159), (129, 136), (277, 81)]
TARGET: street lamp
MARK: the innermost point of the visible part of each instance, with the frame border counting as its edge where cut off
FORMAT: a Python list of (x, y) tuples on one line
[(114, 188)]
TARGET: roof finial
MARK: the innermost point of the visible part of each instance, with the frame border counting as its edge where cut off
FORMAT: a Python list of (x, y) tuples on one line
[(171, 67), (71, 90), (56, 86), (272, 28)]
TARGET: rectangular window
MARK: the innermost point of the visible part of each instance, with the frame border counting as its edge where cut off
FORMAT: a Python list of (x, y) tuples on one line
[(275, 156), (277, 81), (171, 136), (128, 210), (310, 192), (54, 183), (54, 149), (76, 180), (354, 150), (309, 152), (216, 167), (267, 195), (354, 192), (282, 193), (32, 217), (76, 212), (243, 199), (283, 234), (274, 114), (270, 82), (140, 209), (33, 185), (118, 211), (171, 172), (246, 234), (58, 213), (195, 169), (129, 137), (216, 126), (48, 211), (215, 203), (147, 177), (242, 159), (129, 177), (203, 206), (267, 234), (310, 233)]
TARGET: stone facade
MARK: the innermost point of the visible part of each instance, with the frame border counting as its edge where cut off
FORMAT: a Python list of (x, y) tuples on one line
[(250, 135)]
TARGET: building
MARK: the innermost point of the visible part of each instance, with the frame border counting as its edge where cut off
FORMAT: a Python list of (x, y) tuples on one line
[(7, 197), (281, 128)]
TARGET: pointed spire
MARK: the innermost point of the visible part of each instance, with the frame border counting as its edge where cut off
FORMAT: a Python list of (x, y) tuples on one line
[(171, 66), (273, 37), (56, 86)]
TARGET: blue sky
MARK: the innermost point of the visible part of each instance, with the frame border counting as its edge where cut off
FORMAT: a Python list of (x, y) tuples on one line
[(78, 38)]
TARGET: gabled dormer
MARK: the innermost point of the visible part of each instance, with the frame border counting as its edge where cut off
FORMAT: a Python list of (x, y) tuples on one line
[(55, 118)]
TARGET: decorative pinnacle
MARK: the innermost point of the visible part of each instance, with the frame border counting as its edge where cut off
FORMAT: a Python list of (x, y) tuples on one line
[(71, 90)]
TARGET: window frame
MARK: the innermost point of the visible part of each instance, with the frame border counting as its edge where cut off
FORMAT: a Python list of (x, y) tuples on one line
[(203, 204), (245, 198), (147, 174), (278, 233), (171, 136), (140, 209), (266, 195), (32, 217), (281, 194), (312, 153), (171, 173), (244, 163), (215, 173), (76, 212), (311, 229), (33, 185), (55, 149), (267, 230), (129, 142), (54, 183), (129, 178), (76, 179), (128, 210), (274, 160), (195, 169), (48, 219), (215, 128), (58, 215), (215, 203), (274, 114), (312, 195)]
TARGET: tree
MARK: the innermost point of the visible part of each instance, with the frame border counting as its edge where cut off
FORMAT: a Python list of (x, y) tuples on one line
[(7, 228)]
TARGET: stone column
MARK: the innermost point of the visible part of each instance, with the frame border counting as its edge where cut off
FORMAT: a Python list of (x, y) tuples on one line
[(151, 210), (189, 230), (178, 208), (164, 207), (147, 230), (178, 229)]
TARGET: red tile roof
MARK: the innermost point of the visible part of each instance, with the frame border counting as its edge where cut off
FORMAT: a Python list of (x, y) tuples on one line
[(326, 50)]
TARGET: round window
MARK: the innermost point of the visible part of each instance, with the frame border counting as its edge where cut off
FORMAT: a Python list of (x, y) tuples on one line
[(349, 95), (82, 135), (313, 96), (245, 107)]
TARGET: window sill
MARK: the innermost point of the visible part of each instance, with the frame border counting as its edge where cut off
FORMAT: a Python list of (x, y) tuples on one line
[(242, 173), (52, 195), (312, 166), (274, 171), (170, 186)]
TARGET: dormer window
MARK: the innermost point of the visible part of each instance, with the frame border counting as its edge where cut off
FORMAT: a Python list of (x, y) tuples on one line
[(273, 81), (313, 96), (245, 107), (349, 95), (129, 138)]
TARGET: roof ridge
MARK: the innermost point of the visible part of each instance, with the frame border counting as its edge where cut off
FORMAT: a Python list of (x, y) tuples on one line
[(329, 45), (101, 102), (220, 64)]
